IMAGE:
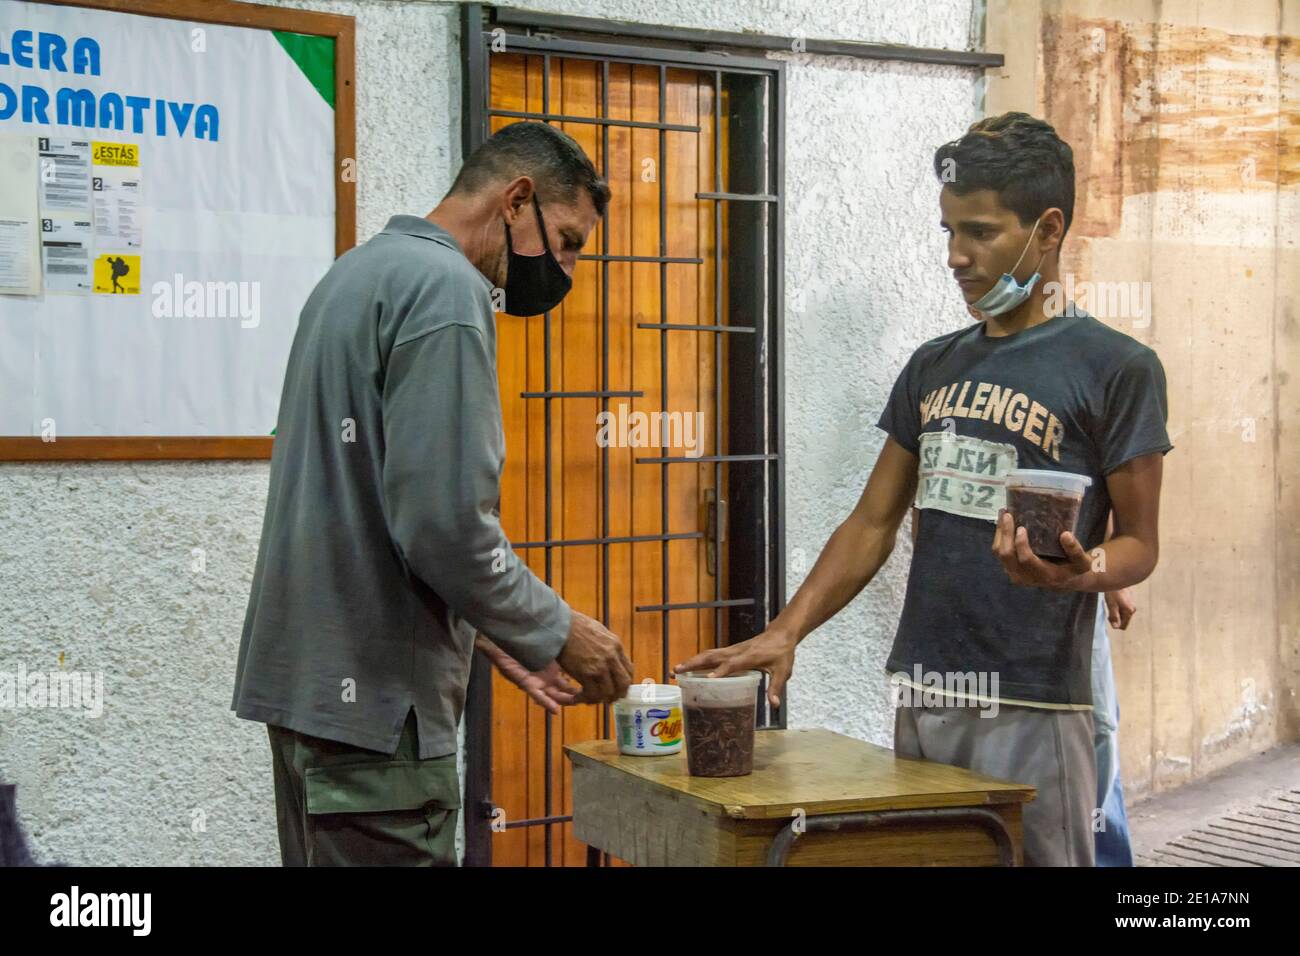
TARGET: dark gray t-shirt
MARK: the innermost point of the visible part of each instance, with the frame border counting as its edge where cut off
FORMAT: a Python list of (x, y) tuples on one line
[(1069, 395)]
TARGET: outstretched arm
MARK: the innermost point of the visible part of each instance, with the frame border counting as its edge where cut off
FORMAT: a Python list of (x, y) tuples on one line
[(851, 558)]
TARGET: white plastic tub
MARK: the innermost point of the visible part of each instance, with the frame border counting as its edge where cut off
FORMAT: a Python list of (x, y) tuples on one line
[(648, 721)]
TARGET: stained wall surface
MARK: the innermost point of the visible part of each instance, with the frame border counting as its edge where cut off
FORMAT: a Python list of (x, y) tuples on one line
[(1183, 120)]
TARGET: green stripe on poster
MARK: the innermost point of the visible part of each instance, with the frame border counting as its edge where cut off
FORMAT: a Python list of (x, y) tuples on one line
[(315, 57)]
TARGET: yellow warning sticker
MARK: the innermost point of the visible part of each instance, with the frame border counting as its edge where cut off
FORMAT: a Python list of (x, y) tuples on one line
[(117, 274), (115, 154)]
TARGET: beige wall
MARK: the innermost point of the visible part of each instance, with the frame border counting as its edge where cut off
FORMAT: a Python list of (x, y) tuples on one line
[(1183, 119)]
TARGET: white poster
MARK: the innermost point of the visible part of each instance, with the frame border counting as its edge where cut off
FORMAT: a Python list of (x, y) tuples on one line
[(115, 183), (65, 174), (65, 252), (20, 266), (172, 154), (18, 272)]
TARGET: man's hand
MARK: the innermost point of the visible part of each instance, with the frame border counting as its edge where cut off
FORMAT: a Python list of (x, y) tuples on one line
[(1120, 608), (771, 651), (594, 658), (547, 686), (1011, 545)]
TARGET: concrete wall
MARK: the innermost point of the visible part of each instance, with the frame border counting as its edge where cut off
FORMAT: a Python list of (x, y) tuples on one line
[(97, 560), (1182, 119)]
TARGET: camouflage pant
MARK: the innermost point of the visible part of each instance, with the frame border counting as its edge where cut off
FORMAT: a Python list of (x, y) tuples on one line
[(339, 805)]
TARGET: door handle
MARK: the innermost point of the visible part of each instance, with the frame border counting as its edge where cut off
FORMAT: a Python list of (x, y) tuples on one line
[(716, 529)]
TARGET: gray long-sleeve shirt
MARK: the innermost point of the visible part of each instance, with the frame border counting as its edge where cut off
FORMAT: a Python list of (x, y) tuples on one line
[(381, 549)]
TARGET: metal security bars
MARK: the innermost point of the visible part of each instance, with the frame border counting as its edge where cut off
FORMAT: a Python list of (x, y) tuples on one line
[(745, 534)]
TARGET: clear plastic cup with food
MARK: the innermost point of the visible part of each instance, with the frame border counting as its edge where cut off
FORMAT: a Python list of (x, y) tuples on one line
[(1045, 504), (719, 714)]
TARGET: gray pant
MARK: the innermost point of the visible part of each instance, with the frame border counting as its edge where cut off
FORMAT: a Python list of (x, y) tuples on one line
[(1051, 750)]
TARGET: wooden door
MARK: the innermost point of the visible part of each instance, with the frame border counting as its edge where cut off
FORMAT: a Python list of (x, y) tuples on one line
[(560, 485)]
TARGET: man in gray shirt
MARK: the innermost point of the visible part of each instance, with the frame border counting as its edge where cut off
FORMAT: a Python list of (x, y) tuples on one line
[(382, 551)]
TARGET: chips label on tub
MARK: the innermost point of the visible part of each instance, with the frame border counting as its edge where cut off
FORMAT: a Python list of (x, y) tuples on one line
[(647, 730)]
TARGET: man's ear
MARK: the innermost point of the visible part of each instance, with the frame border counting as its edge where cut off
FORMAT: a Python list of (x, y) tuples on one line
[(519, 192), (1051, 230)]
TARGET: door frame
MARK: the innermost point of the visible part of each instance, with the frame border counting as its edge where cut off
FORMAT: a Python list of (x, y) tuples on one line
[(660, 47)]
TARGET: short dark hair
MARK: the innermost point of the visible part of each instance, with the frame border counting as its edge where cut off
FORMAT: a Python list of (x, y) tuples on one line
[(557, 164), (1017, 156)]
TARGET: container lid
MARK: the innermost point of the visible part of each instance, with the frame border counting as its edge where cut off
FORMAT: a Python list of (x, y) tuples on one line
[(731, 680), (1055, 480), (734, 690), (649, 692)]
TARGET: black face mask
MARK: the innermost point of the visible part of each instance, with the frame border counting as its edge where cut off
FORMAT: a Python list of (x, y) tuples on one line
[(534, 284)]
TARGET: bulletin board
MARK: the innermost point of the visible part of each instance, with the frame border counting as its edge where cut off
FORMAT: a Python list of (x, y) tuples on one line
[(175, 178)]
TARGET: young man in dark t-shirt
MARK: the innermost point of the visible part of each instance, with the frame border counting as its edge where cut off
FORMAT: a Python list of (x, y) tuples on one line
[(1003, 634)]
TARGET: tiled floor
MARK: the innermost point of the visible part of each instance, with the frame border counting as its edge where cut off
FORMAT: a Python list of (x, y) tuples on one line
[(1246, 815)]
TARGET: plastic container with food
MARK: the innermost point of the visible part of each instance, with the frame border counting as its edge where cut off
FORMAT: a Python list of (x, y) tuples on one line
[(719, 714), (1045, 503), (648, 721)]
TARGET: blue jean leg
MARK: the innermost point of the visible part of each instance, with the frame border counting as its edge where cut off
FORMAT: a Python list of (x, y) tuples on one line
[(1112, 842)]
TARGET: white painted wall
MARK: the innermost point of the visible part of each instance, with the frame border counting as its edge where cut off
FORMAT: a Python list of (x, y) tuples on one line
[(863, 239), (96, 559)]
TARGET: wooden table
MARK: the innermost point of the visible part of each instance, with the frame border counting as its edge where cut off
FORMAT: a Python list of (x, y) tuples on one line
[(815, 798)]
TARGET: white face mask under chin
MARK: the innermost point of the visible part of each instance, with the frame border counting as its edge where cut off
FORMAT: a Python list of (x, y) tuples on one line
[(1007, 293)]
